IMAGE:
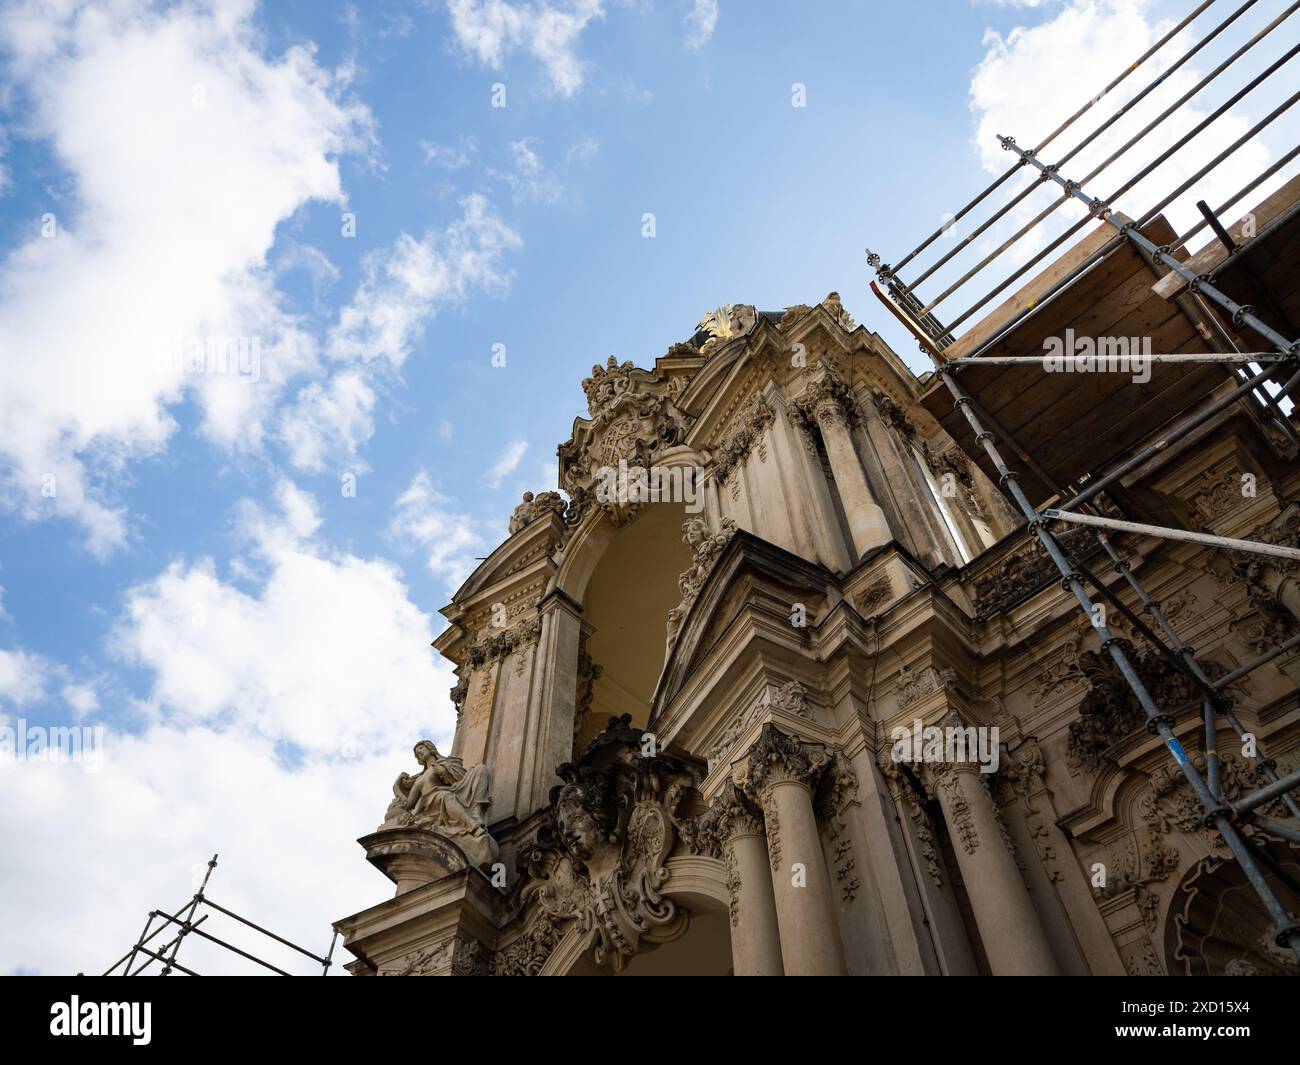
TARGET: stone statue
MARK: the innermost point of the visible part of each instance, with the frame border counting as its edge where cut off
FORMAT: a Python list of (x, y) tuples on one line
[(447, 799), (534, 507)]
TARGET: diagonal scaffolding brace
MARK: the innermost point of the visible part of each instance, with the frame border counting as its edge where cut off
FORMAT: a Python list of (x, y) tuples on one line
[(1219, 814), (184, 920)]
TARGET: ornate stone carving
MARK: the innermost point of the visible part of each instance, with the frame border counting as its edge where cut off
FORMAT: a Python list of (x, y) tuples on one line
[(705, 549), (598, 858), (777, 757), (1217, 494), (1273, 623), (731, 813), (447, 799), (791, 315), (747, 435), (1110, 711), (905, 794), (533, 507), (527, 954), (913, 686), (828, 397), (633, 419), (838, 791), (1059, 675), (504, 643), (588, 674), (892, 415), (877, 592), (1027, 570), (791, 697), (458, 693), (961, 822)]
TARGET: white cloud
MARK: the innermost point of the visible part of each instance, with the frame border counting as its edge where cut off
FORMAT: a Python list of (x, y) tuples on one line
[(425, 519), (547, 29), (701, 20), (1080, 38), (187, 147), (506, 463), (582, 151), (139, 830), (404, 285), (330, 421), (82, 698), (449, 157), (328, 654), (528, 176), (277, 719), (22, 677), (400, 293)]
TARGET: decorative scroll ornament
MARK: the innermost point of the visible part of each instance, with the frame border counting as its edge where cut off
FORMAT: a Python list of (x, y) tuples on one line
[(446, 799), (598, 858), (1274, 623)]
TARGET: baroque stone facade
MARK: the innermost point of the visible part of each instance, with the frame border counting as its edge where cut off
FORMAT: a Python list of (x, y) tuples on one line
[(831, 566)]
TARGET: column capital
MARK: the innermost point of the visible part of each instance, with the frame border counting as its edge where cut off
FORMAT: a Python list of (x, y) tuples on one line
[(778, 758)]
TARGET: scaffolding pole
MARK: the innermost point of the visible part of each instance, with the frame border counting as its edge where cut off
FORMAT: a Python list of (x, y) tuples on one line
[(1227, 543), (1217, 814), (184, 920)]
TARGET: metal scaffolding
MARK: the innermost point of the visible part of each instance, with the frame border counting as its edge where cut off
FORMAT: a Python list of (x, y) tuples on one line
[(1269, 376), (187, 919)]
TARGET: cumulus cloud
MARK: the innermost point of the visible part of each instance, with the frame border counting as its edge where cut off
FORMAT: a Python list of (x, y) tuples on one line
[(278, 712), (136, 835), (404, 285), (328, 654), (186, 147), (701, 20), (401, 290), (426, 520), (548, 30), (22, 677)]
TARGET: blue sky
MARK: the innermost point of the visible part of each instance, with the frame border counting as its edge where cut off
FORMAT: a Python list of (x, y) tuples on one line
[(250, 635)]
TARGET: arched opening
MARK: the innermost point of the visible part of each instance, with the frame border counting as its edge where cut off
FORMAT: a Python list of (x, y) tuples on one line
[(1217, 925), (702, 949), (625, 609)]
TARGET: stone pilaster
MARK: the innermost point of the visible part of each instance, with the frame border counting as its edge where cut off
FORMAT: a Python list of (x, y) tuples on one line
[(781, 774), (1013, 938), (868, 526)]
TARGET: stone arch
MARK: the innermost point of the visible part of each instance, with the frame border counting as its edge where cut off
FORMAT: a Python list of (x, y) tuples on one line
[(625, 579), (1216, 925)]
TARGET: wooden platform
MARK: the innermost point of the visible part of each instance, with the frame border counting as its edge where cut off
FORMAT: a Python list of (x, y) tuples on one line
[(1074, 423)]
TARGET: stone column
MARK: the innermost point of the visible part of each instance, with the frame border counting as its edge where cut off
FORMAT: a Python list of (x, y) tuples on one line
[(782, 772), (867, 523), (755, 935), (1013, 938)]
